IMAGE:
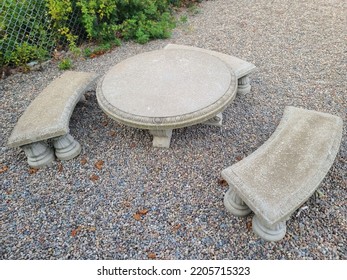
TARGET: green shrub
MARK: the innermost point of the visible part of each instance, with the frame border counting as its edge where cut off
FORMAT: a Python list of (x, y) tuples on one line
[(131, 19), (65, 64), (31, 29), (21, 37)]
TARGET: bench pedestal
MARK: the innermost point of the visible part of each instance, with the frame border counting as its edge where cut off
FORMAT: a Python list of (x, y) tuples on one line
[(244, 85), (39, 154), (269, 233), (66, 147), (235, 205)]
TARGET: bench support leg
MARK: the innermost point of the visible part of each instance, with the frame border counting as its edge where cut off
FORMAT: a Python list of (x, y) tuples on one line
[(216, 120), (161, 138), (66, 147), (270, 233), (244, 85), (234, 204), (39, 154)]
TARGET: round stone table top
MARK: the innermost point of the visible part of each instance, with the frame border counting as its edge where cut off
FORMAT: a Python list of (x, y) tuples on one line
[(166, 89)]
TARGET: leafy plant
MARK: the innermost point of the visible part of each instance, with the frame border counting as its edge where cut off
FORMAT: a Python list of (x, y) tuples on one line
[(22, 38), (65, 64), (31, 29)]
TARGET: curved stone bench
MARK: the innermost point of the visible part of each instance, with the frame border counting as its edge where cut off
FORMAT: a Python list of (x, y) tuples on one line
[(241, 68), (48, 116), (285, 171)]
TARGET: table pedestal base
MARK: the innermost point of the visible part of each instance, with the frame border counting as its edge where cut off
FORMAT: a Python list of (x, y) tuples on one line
[(161, 138), (216, 120)]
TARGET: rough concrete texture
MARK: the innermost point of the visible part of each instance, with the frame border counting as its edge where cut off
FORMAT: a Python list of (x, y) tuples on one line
[(49, 114), (167, 89), (286, 170), (240, 67)]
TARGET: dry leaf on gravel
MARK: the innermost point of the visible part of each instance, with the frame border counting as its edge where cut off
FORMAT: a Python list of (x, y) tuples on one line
[(3, 169), (143, 211), (94, 177), (222, 182), (113, 133), (74, 232), (176, 227), (249, 225), (33, 170), (80, 228), (60, 167), (137, 216), (83, 161), (152, 256), (238, 158), (99, 164)]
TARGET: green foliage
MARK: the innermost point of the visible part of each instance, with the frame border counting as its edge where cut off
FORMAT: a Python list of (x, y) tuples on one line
[(21, 38), (141, 20), (99, 18), (31, 29), (183, 18), (142, 28), (24, 53), (65, 64), (61, 13)]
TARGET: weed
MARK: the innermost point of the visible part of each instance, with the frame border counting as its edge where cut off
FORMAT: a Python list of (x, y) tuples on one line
[(65, 64)]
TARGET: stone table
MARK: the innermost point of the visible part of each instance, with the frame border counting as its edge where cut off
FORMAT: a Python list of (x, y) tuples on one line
[(166, 89)]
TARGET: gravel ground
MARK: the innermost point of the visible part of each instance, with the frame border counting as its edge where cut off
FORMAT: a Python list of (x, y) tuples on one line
[(73, 210)]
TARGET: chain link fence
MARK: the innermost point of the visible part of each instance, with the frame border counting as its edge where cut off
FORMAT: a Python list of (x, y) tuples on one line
[(27, 30)]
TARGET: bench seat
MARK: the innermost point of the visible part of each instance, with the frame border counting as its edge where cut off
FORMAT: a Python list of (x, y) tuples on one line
[(285, 171), (48, 116), (241, 68)]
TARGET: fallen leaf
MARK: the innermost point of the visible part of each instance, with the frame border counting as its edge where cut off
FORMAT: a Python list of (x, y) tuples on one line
[(143, 211), (3, 169), (33, 170), (137, 216), (99, 164), (249, 225), (113, 133), (152, 256), (74, 232), (238, 158), (176, 227), (94, 177), (60, 167), (222, 182), (83, 161)]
